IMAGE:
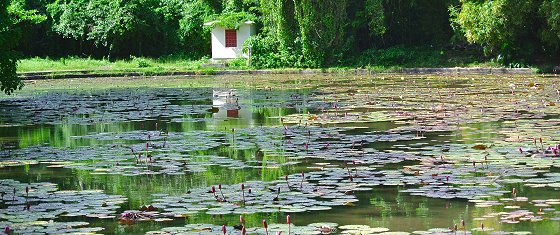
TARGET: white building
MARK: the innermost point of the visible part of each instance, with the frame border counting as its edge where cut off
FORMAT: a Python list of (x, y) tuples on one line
[(228, 43)]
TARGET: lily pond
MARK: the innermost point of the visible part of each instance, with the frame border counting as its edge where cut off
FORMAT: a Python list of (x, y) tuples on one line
[(296, 154)]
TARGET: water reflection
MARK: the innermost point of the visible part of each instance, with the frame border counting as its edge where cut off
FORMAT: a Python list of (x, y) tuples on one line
[(228, 109), (225, 110)]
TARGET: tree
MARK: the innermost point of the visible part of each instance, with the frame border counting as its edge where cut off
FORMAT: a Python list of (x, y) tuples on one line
[(104, 22), (502, 27), (416, 22), (13, 19), (194, 37), (524, 30), (550, 9), (136, 27), (312, 33)]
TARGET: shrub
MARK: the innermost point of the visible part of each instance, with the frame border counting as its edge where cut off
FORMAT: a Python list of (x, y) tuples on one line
[(238, 62), (142, 62)]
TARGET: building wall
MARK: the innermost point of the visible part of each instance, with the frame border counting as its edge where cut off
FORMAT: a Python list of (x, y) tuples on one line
[(219, 49)]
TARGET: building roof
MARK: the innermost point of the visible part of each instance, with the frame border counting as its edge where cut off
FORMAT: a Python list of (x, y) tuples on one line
[(212, 23)]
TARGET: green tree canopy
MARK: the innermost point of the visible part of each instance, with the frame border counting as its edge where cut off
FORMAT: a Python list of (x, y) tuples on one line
[(312, 33), (13, 19), (550, 10), (121, 26), (493, 23), (521, 29), (291, 33)]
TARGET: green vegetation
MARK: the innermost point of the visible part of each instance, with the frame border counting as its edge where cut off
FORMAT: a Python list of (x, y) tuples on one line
[(381, 34), (376, 59), (412, 57), (13, 18), (90, 64), (525, 30)]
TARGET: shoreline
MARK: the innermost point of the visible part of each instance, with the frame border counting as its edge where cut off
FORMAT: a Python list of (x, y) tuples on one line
[(62, 74)]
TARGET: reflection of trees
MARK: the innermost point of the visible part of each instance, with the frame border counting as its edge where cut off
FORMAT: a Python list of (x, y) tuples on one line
[(474, 133), (380, 204), (62, 135), (403, 205), (266, 173), (139, 189), (422, 210)]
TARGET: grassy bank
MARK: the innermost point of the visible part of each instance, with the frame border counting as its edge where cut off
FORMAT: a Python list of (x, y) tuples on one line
[(126, 65), (377, 60)]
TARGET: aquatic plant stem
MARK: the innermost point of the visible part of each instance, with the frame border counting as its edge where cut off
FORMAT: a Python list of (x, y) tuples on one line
[(220, 188), (243, 192), (463, 226), (214, 192), (302, 178), (147, 147), (287, 183), (265, 225), (289, 221), (535, 144), (348, 169)]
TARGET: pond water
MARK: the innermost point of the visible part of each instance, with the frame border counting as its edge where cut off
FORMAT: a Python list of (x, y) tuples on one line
[(383, 154)]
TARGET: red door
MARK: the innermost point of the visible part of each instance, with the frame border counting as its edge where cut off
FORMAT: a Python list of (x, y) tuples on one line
[(231, 38)]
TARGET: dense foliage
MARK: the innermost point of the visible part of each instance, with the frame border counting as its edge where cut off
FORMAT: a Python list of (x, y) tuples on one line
[(521, 29), (13, 18), (121, 28), (325, 33), (550, 10), (292, 33)]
